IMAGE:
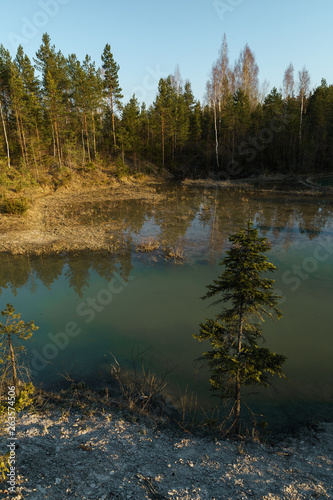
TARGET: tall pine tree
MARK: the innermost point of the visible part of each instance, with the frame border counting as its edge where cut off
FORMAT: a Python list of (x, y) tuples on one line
[(5, 73), (111, 84), (53, 67)]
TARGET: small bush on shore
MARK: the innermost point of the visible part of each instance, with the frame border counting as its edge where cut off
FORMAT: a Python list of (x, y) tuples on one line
[(91, 167), (13, 206), (122, 169), (4, 464)]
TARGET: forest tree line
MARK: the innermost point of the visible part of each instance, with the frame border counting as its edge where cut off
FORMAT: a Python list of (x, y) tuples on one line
[(57, 111)]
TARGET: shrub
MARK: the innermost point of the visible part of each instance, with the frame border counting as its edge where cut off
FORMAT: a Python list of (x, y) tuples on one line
[(13, 206), (22, 400), (3, 466), (91, 167), (13, 331), (122, 169)]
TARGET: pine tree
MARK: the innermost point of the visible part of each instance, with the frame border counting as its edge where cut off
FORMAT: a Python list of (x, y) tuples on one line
[(95, 88), (81, 99), (185, 106), (11, 331), (318, 130), (131, 125), (31, 105), (5, 71), (239, 124), (162, 112), (111, 84), (145, 131), (166, 115), (17, 101), (272, 150), (195, 123), (236, 359), (55, 89)]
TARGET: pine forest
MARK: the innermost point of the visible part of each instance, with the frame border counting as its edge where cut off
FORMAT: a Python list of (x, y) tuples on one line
[(58, 112)]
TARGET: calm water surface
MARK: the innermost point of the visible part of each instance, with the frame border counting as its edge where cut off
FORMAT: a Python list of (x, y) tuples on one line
[(131, 302)]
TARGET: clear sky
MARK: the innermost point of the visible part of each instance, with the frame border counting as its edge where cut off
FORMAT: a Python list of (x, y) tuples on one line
[(150, 37)]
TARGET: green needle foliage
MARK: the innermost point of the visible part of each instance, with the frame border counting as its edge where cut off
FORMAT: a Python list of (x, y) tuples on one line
[(57, 112), (12, 332), (13, 329), (111, 84), (236, 360)]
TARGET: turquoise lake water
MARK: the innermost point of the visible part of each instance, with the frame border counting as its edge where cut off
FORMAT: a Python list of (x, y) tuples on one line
[(131, 303)]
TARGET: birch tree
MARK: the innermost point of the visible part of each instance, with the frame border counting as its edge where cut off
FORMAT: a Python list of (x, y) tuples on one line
[(246, 75), (303, 92), (288, 82), (218, 90)]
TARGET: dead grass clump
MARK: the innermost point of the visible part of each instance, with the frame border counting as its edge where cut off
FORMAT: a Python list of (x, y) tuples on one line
[(147, 246), (166, 252), (143, 389), (142, 178), (176, 254)]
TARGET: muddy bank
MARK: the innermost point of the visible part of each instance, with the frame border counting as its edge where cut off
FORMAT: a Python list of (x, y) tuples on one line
[(82, 218), (51, 224), (283, 184)]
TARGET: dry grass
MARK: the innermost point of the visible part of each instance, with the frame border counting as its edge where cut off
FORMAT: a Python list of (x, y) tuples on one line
[(206, 183), (148, 246), (176, 254), (140, 387), (165, 251)]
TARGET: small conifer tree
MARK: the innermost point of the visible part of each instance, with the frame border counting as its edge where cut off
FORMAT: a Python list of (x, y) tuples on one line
[(236, 359), (12, 330)]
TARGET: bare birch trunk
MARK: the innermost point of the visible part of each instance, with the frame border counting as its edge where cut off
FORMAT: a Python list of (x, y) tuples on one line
[(216, 139), (300, 131)]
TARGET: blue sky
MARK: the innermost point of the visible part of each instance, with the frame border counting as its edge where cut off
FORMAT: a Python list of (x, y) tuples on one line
[(149, 37)]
